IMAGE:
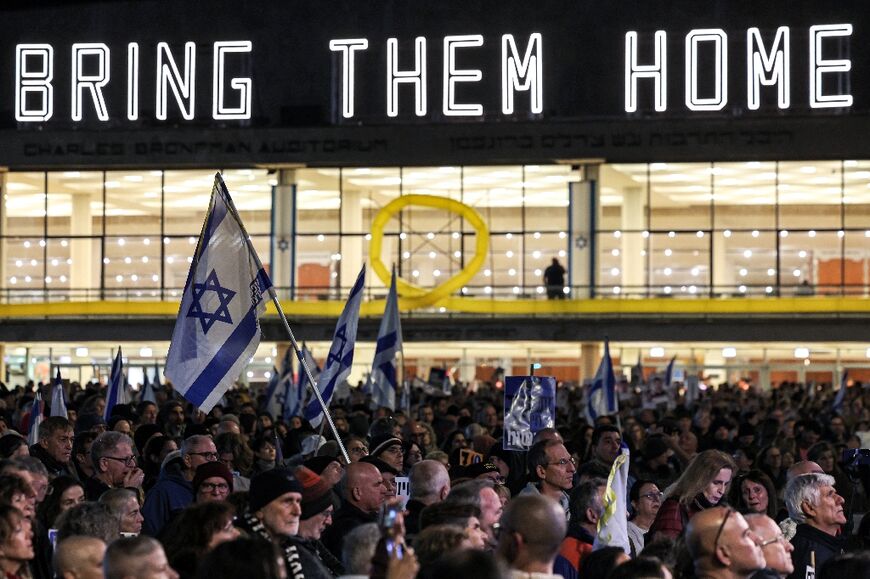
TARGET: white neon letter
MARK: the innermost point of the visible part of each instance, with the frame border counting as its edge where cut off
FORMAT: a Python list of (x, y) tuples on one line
[(658, 71), (720, 91), (168, 76), (34, 80), (242, 85), (93, 83), (347, 46), (524, 74), (767, 68), (133, 81), (417, 77), (452, 75), (820, 66)]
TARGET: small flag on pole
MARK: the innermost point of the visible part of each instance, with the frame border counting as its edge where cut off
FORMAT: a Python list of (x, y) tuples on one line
[(601, 397), (35, 419), (841, 393), (273, 400), (340, 357), (58, 404), (217, 330), (669, 373), (302, 379), (148, 394), (117, 391), (384, 379), (613, 523)]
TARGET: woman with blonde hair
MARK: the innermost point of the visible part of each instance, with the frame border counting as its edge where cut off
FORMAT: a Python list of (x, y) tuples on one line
[(702, 485)]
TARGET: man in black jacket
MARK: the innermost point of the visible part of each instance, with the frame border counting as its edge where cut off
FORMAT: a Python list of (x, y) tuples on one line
[(362, 489), (814, 504), (54, 446)]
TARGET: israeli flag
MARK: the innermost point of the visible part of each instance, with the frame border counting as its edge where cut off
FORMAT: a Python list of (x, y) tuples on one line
[(147, 394), (302, 379), (841, 393), (291, 403), (58, 404), (612, 528), (117, 392), (340, 357), (601, 395), (35, 419), (383, 378), (273, 402), (217, 330), (669, 373)]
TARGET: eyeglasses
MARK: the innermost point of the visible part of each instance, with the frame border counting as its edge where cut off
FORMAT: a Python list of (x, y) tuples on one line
[(358, 450), (722, 528), (127, 460), (655, 497), (209, 456), (780, 538), (563, 462), (211, 487), (394, 450)]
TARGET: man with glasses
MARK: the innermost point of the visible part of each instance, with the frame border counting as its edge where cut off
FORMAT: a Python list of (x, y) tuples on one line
[(173, 490), (551, 470), (722, 545), (114, 465), (776, 548)]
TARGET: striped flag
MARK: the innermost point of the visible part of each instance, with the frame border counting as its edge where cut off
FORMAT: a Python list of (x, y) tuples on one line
[(117, 391), (35, 419), (384, 379), (841, 393), (340, 357), (601, 397), (302, 378), (58, 404), (218, 330)]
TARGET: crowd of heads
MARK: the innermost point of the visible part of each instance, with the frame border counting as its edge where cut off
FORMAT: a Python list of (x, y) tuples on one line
[(741, 481)]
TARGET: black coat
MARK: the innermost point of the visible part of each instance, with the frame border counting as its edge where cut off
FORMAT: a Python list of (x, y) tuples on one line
[(808, 539)]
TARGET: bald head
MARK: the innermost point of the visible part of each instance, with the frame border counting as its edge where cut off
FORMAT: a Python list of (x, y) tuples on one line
[(79, 557), (777, 550), (532, 530), (363, 486), (736, 548), (803, 467), (429, 481)]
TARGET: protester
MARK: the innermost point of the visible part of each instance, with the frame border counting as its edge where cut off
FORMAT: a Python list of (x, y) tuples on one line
[(646, 500), (244, 557), (813, 502), (16, 542), (196, 531), (79, 557), (776, 549), (587, 506), (531, 532), (551, 468), (430, 484), (66, 492), (722, 545), (124, 504), (135, 557)]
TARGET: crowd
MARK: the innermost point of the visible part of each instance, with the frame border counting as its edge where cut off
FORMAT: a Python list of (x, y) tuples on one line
[(738, 483)]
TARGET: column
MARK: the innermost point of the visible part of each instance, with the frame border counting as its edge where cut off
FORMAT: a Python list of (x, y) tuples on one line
[(590, 357), (351, 241), (633, 266), (723, 271), (582, 198), (82, 274), (284, 234), (467, 367)]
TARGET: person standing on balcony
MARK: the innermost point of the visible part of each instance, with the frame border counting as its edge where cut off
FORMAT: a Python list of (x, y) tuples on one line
[(554, 279)]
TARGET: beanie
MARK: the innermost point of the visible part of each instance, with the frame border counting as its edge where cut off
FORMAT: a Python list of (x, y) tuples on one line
[(319, 463), (316, 493), (381, 443), (380, 465), (211, 470), (271, 484)]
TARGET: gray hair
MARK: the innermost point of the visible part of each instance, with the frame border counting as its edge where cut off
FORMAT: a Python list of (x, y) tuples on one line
[(116, 499), (90, 520), (586, 496), (427, 478), (105, 443), (30, 464), (805, 487), (359, 548), (192, 442), (469, 492)]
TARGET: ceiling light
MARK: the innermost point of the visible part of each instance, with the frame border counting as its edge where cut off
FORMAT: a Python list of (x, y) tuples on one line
[(668, 271), (657, 352), (747, 253), (755, 233), (432, 255), (668, 252), (146, 352), (668, 289), (430, 235), (617, 234), (727, 233), (743, 272), (672, 234), (796, 273), (729, 352), (742, 289), (771, 272), (81, 352), (617, 290), (614, 253), (801, 353), (699, 234), (614, 271), (811, 233)]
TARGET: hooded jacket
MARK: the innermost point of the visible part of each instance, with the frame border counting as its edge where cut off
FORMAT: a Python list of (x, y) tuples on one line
[(172, 494)]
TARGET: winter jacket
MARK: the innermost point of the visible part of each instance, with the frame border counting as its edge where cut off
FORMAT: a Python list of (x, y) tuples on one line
[(171, 495)]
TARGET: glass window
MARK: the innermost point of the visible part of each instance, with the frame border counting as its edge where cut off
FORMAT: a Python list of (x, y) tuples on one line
[(133, 201), (744, 262), (679, 263), (680, 195), (24, 199), (75, 203), (857, 194), (810, 194), (744, 196)]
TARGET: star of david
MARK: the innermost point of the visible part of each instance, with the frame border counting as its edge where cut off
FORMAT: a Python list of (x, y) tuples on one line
[(222, 313)]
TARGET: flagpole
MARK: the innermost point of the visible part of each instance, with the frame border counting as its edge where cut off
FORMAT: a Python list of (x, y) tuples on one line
[(273, 294)]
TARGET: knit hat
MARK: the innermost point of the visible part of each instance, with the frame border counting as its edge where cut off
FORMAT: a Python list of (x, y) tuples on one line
[(383, 442), (211, 470), (316, 493), (476, 469), (86, 422), (319, 463), (271, 484)]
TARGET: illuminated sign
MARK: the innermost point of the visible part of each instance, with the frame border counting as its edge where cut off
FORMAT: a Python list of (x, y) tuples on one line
[(764, 67)]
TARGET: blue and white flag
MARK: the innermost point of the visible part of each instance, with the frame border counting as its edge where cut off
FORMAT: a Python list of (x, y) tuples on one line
[(302, 378), (669, 373), (273, 402), (601, 397), (837, 407), (117, 391), (613, 524), (147, 393), (292, 401), (384, 379), (58, 403), (218, 330), (35, 419), (340, 357)]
